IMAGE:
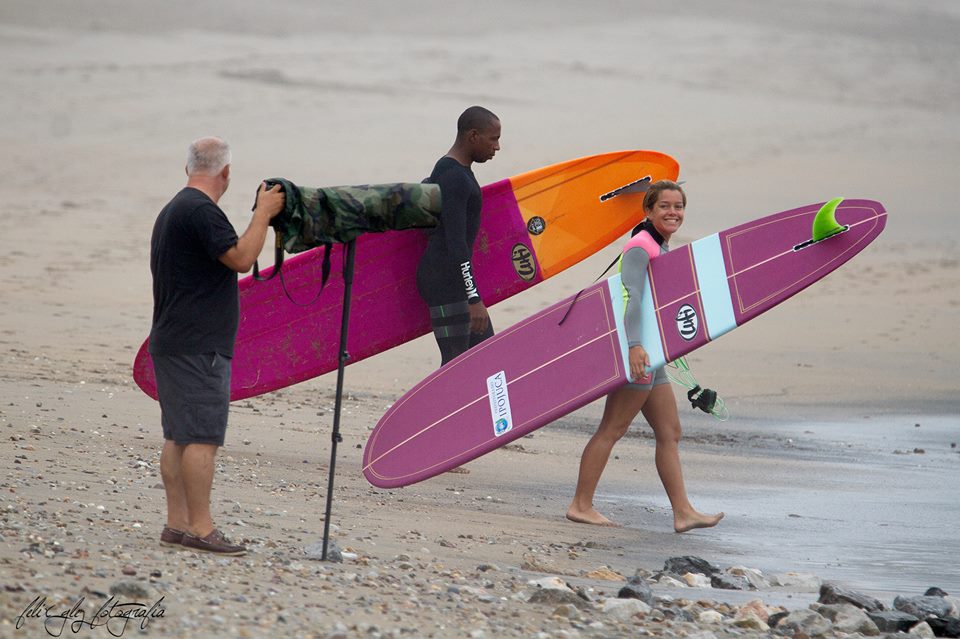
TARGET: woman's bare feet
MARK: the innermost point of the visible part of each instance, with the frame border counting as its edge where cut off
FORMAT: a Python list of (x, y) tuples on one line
[(589, 516), (683, 523)]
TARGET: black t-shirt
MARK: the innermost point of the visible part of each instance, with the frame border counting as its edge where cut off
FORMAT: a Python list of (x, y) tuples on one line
[(195, 302)]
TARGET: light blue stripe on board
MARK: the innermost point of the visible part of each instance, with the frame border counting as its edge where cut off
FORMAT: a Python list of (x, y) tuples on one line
[(714, 290), (649, 328)]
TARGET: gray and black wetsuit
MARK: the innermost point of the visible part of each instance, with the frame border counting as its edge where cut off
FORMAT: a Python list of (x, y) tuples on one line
[(633, 277), (445, 278)]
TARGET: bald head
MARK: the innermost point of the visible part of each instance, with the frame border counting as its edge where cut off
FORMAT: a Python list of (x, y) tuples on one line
[(207, 157)]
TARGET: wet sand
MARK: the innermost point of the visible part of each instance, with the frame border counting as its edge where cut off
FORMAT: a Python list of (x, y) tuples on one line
[(766, 108), (858, 502)]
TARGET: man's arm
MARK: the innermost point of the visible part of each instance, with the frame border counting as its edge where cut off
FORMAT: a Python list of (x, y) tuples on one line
[(455, 190), (241, 256)]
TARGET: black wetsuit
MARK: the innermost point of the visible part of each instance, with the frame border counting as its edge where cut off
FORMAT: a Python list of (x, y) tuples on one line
[(445, 275)]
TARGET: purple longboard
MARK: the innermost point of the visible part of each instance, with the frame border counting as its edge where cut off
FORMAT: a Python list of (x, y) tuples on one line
[(538, 370)]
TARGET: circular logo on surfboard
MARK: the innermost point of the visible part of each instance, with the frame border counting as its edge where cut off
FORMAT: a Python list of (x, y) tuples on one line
[(523, 262), (536, 225), (688, 324)]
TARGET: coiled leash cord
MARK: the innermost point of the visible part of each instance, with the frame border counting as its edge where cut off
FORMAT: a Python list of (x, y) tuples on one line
[(703, 398)]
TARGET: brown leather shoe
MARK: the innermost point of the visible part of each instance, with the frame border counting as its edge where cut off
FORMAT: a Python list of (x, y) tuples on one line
[(171, 536), (215, 543)]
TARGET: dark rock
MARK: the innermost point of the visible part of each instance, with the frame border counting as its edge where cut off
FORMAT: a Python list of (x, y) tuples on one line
[(923, 607), (558, 596), (130, 588), (582, 593), (677, 614), (893, 620), (834, 594), (591, 544), (935, 592), (637, 588), (945, 626), (689, 563), (730, 582), (775, 618), (93, 592)]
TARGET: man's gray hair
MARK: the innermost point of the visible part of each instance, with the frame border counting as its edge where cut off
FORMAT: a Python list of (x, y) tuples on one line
[(207, 156)]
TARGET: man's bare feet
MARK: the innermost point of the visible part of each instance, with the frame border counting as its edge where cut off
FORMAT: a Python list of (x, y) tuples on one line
[(590, 516), (682, 524)]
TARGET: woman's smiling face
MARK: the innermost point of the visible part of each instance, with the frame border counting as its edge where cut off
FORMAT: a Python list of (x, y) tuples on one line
[(666, 215)]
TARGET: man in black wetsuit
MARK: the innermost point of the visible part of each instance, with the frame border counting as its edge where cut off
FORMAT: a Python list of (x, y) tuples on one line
[(445, 275)]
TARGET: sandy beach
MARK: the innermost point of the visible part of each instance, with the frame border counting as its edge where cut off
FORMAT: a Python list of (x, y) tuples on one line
[(842, 452)]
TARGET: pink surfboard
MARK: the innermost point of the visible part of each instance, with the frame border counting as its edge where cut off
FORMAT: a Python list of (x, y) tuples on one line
[(534, 225), (537, 371)]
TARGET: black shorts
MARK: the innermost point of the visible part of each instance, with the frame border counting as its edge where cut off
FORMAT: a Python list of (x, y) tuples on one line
[(194, 392)]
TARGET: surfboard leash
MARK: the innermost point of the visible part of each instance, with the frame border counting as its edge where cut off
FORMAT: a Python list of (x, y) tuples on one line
[(577, 296), (636, 229), (705, 399)]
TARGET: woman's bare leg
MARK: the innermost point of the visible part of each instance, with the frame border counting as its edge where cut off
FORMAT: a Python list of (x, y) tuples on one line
[(660, 411), (621, 408)]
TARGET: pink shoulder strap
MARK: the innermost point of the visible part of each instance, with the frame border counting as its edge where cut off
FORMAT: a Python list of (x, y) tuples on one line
[(645, 241)]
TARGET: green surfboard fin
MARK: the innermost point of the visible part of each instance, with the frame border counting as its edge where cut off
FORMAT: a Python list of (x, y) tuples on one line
[(825, 224)]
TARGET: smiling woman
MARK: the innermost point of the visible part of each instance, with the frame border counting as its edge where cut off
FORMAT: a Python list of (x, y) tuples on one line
[(665, 205)]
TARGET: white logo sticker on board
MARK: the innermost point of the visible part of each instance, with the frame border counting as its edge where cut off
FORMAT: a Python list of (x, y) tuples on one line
[(688, 324), (499, 403)]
